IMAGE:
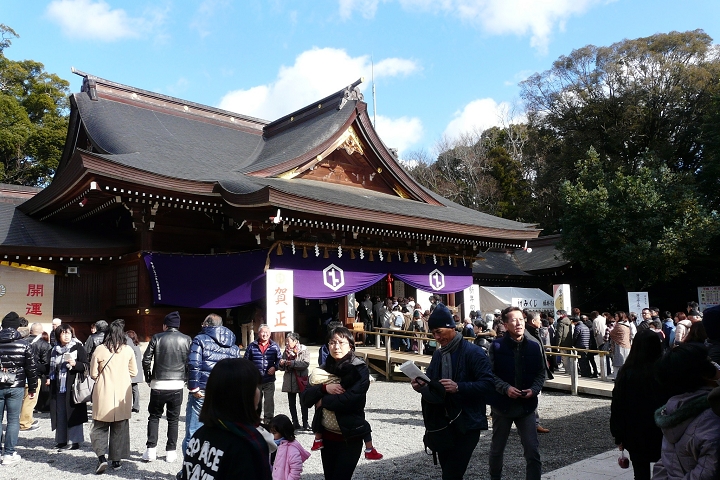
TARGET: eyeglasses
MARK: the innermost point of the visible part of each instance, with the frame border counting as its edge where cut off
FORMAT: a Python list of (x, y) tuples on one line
[(336, 343)]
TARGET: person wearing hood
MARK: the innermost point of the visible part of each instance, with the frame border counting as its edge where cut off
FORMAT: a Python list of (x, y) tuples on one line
[(463, 371), (17, 359), (214, 343), (690, 427)]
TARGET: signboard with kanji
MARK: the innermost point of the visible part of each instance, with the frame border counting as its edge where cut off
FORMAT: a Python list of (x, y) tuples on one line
[(561, 297), (471, 300), (708, 297), (637, 301), (279, 295), (28, 293)]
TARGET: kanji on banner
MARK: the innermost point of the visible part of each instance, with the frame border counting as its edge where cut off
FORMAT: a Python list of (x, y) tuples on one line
[(280, 300), (28, 293)]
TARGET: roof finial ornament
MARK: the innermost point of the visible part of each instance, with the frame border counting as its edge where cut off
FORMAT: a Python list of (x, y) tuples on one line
[(352, 92)]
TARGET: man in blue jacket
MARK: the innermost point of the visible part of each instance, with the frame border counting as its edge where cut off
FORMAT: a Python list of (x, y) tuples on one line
[(518, 366), (464, 371), (265, 354), (212, 344)]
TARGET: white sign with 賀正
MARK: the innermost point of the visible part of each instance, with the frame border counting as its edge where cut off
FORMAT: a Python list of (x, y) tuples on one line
[(279, 297), (28, 293), (637, 301), (471, 300)]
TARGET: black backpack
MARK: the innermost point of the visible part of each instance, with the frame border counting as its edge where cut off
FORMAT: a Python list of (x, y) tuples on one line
[(441, 416)]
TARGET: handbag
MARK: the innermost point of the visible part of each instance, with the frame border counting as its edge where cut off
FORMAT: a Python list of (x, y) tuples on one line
[(83, 388), (84, 385), (302, 382), (7, 377)]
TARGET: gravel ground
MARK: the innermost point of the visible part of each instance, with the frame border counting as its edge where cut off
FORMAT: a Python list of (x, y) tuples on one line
[(578, 430)]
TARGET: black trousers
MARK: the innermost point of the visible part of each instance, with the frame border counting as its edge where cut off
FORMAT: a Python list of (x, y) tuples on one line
[(584, 364), (292, 401), (159, 400), (339, 459), (454, 462)]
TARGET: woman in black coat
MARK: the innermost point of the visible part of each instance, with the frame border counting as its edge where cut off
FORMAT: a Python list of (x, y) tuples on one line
[(341, 406), (67, 360), (636, 396)]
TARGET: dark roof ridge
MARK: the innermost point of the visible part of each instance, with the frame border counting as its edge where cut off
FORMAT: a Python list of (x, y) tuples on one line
[(91, 80), (339, 98)]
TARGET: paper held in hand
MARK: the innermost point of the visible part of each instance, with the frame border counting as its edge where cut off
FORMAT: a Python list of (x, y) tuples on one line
[(412, 371)]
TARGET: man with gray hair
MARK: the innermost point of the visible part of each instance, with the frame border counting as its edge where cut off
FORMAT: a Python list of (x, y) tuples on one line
[(266, 355), (97, 336), (212, 344)]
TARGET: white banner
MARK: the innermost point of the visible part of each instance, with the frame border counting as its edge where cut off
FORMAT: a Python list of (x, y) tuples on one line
[(423, 298), (279, 296), (708, 297), (636, 302), (471, 300), (28, 293), (561, 296)]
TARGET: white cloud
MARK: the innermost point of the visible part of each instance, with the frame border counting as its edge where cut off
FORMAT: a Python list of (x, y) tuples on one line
[(366, 7), (477, 115), (400, 133), (315, 74), (97, 20), (206, 11), (496, 17)]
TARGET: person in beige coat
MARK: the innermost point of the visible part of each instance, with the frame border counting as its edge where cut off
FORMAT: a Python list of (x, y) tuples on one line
[(112, 367)]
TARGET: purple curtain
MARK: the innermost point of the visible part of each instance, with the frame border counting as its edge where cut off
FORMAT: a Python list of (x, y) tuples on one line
[(226, 281), (207, 281)]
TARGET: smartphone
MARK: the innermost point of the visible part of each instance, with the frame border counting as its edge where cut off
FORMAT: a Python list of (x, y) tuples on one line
[(523, 393)]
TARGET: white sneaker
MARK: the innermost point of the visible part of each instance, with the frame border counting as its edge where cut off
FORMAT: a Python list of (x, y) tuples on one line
[(10, 459), (150, 454), (170, 456)]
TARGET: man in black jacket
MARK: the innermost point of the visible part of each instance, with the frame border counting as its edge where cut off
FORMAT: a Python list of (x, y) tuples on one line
[(97, 336), (167, 377), (18, 362), (40, 349)]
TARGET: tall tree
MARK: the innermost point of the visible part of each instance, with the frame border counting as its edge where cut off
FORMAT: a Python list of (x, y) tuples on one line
[(33, 118), (633, 227)]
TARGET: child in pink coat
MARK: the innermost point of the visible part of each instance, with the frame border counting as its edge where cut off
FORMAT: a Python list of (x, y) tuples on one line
[(290, 454)]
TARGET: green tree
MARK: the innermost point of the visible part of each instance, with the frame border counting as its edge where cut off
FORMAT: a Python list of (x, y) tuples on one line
[(634, 226), (33, 118)]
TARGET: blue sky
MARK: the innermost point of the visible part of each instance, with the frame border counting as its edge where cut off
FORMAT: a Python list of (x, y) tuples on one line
[(442, 67)]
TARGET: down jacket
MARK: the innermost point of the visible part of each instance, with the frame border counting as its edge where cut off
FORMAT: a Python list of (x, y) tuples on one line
[(691, 438), (17, 356), (210, 346), (264, 361)]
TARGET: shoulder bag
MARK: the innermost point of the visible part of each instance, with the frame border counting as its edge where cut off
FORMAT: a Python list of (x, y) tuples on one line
[(84, 385), (6, 377)]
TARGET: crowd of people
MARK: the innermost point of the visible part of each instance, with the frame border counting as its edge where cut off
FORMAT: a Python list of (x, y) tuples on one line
[(665, 407)]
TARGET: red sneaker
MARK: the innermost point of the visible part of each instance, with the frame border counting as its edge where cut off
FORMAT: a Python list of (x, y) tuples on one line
[(373, 455), (317, 445)]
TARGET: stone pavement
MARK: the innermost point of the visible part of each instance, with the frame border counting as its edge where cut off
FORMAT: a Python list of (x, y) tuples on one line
[(599, 467)]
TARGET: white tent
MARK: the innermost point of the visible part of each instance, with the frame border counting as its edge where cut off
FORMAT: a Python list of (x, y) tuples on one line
[(503, 297)]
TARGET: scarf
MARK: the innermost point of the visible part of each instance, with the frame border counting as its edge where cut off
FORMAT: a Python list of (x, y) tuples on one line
[(292, 353), (58, 368), (446, 352)]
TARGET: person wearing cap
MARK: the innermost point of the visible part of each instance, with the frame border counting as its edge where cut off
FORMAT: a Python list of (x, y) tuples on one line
[(165, 367), (463, 369), (15, 356), (518, 366)]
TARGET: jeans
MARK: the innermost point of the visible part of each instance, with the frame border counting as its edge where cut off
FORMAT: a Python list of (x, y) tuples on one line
[(161, 400), (11, 399), (454, 462), (528, 437), (192, 418), (267, 402)]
